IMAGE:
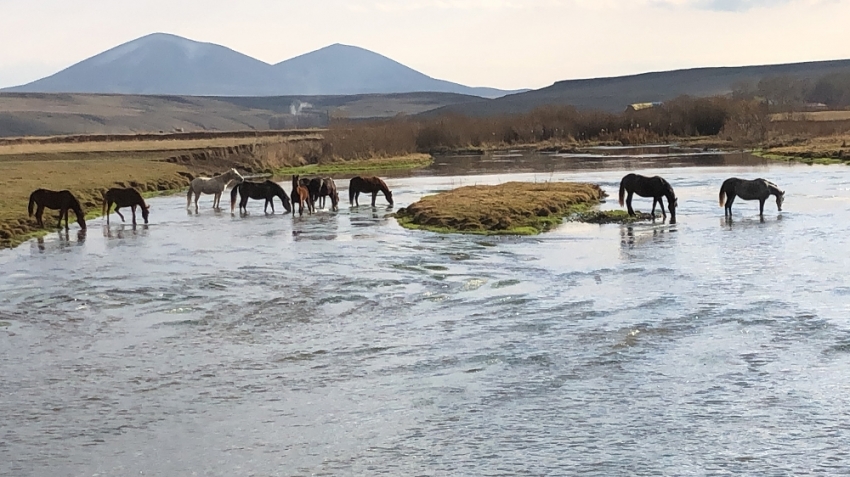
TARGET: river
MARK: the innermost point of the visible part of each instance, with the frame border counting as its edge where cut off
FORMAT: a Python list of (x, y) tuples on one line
[(342, 344)]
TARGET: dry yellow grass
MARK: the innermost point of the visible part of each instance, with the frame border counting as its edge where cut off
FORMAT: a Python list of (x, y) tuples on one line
[(517, 208), (150, 145), (812, 116)]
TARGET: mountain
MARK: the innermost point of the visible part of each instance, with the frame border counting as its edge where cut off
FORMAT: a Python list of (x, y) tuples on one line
[(615, 93), (164, 64)]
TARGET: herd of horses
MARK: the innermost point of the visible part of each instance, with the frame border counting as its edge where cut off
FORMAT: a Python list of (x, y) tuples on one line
[(306, 192)]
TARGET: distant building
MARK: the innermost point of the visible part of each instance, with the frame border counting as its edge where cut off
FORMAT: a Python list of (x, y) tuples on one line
[(640, 106)]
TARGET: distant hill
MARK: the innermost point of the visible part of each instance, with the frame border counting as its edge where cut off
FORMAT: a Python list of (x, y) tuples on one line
[(164, 64), (615, 93), (47, 114)]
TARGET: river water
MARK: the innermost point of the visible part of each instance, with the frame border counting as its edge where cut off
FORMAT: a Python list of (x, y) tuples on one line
[(342, 344)]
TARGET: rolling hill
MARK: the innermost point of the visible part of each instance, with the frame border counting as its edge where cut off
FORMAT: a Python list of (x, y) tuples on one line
[(615, 93), (164, 64)]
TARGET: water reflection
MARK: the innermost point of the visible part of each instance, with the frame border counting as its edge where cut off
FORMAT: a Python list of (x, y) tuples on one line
[(64, 236), (123, 231)]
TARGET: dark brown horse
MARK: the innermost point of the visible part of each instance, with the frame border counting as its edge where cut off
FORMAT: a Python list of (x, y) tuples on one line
[(329, 190), (756, 189), (655, 187), (124, 198), (371, 185), (300, 194), (61, 201), (267, 190)]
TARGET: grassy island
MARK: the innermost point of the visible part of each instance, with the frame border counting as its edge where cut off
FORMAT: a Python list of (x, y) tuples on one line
[(513, 208)]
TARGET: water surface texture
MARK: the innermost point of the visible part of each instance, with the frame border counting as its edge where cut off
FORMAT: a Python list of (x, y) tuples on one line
[(342, 344)]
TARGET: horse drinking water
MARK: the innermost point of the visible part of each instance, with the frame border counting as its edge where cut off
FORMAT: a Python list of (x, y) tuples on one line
[(371, 185), (756, 189), (61, 201), (124, 198), (329, 190), (655, 187), (214, 185), (267, 190)]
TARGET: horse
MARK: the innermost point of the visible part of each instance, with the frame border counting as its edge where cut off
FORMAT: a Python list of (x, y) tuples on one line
[(267, 190), (214, 185), (655, 187), (756, 189), (301, 194), (367, 184), (61, 200), (124, 198), (329, 190)]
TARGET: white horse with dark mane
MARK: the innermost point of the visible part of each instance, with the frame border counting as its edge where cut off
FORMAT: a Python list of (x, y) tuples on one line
[(214, 185)]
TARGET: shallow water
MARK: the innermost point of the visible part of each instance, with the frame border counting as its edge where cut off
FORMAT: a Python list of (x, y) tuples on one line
[(342, 344)]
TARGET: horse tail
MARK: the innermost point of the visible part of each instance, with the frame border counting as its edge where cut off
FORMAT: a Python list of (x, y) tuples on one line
[(722, 197), (233, 192), (622, 192), (32, 204)]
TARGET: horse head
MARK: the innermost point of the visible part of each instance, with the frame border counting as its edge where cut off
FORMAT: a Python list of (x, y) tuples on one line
[(236, 176), (780, 198), (145, 211)]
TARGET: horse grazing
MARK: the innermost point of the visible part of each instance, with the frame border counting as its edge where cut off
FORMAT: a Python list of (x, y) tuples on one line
[(371, 185), (61, 201), (301, 194), (214, 185), (267, 190), (124, 198), (655, 187), (756, 189), (328, 189)]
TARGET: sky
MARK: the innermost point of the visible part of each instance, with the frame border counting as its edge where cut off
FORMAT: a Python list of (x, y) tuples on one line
[(506, 44)]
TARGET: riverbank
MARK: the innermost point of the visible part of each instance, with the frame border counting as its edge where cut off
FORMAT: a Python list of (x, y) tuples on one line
[(512, 208)]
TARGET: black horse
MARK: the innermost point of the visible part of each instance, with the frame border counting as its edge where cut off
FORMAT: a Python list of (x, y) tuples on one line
[(124, 198), (61, 201), (655, 187), (267, 190), (756, 189)]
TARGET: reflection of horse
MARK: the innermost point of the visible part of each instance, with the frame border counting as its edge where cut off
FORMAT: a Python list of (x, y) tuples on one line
[(372, 185), (329, 190), (62, 201), (655, 187), (300, 194), (267, 190), (215, 185), (124, 198), (756, 189)]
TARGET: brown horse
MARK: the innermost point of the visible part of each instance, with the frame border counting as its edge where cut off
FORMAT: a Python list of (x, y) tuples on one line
[(300, 195), (124, 198), (371, 185), (329, 190), (61, 200), (655, 187)]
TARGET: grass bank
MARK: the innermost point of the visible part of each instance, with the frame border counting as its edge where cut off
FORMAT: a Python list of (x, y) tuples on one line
[(513, 208)]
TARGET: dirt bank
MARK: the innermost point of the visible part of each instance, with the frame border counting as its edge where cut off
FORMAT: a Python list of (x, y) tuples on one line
[(513, 208)]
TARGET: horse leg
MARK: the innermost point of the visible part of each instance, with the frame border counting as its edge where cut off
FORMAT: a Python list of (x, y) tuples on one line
[(117, 211), (729, 199), (63, 212), (761, 207), (374, 196), (663, 212), (629, 204), (133, 208), (197, 196), (189, 197), (654, 201), (38, 213)]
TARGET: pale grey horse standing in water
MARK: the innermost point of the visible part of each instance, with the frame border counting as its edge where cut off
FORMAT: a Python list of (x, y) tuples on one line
[(756, 189), (214, 185)]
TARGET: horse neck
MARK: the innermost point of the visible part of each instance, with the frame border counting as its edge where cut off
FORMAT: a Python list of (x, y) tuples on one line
[(772, 189)]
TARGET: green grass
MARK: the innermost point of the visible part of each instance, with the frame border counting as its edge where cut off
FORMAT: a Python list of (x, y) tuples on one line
[(608, 217), (803, 160), (413, 161)]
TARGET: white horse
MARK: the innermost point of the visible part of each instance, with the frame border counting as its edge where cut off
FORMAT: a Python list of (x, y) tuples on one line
[(215, 185)]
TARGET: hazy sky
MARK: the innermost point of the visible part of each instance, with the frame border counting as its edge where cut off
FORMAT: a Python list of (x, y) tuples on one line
[(499, 43)]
